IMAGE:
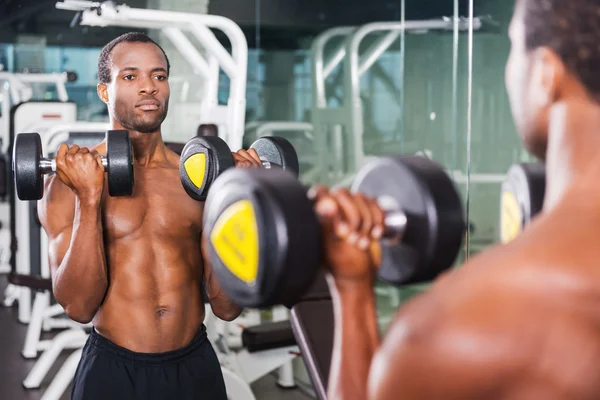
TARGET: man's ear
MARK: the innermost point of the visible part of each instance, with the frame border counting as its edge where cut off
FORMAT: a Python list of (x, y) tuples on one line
[(102, 92), (549, 75)]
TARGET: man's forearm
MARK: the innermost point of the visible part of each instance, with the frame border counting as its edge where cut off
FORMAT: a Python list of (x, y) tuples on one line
[(220, 304), (81, 281), (356, 339)]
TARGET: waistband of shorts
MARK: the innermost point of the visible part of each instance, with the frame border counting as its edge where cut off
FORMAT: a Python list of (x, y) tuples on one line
[(104, 345)]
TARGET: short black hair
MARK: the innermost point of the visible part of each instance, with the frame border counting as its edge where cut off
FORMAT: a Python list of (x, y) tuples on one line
[(104, 67), (571, 28)]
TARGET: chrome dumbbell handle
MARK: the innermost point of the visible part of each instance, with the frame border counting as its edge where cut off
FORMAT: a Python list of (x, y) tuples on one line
[(49, 165)]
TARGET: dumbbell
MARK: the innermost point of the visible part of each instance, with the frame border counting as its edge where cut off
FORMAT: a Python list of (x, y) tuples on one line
[(29, 166), (522, 198), (203, 159), (264, 236), (207, 130)]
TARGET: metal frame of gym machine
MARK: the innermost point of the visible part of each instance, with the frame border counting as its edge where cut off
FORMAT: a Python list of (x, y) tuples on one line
[(16, 96), (229, 118), (22, 252), (17, 91), (343, 127)]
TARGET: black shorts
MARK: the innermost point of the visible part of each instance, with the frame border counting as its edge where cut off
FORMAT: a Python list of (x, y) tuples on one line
[(107, 371)]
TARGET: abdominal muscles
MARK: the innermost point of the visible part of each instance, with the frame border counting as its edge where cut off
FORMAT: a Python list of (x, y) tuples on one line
[(153, 303)]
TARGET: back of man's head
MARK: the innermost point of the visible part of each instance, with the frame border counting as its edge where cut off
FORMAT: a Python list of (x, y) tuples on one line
[(571, 28), (104, 68)]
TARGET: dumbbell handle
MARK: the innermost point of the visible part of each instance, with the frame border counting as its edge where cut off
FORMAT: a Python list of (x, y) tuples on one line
[(48, 165), (267, 164), (395, 223)]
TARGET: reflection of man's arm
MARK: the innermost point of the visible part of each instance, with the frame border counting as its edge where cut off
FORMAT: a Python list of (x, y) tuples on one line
[(352, 226), (355, 342), (442, 345)]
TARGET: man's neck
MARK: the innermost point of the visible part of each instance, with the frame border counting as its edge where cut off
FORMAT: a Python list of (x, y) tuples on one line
[(572, 156), (147, 147)]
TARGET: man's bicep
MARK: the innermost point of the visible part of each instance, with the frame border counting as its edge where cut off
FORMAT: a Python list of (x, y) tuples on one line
[(56, 211)]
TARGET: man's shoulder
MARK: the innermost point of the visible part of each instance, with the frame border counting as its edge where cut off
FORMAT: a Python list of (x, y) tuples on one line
[(500, 299), (467, 319)]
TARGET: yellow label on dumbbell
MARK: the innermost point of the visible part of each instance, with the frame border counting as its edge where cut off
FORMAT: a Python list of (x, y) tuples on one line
[(510, 217), (195, 168), (235, 240)]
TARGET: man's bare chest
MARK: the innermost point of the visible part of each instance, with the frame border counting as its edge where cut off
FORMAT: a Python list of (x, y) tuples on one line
[(159, 207)]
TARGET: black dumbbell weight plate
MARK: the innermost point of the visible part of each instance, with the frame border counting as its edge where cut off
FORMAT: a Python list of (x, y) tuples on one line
[(522, 198), (263, 236), (27, 153), (435, 222), (202, 160), (279, 152), (119, 156)]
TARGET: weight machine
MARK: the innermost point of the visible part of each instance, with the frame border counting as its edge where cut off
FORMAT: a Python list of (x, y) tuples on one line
[(17, 88), (231, 117), (342, 128), (23, 117), (25, 228), (320, 73)]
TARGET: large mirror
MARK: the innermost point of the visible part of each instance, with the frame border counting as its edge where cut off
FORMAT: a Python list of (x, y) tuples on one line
[(344, 81)]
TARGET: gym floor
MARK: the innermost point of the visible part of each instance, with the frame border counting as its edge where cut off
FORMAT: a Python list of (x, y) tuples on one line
[(14, 368)]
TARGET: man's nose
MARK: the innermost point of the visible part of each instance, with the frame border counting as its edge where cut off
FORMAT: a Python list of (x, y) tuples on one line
[(147, 86)]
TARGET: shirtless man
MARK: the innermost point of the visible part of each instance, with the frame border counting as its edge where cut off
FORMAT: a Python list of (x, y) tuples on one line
[(520, 321), (133, 265)]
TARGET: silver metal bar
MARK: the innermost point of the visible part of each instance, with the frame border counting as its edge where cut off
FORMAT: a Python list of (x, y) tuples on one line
[(49, 165), (395, 224), (265, 163), (469, 127)]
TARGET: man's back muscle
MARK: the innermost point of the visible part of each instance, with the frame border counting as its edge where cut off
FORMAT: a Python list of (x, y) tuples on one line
[(519, 321)]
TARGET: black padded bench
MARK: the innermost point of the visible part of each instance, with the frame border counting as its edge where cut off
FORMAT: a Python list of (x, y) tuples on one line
[(313, 325), (34, 282), (267, 336)]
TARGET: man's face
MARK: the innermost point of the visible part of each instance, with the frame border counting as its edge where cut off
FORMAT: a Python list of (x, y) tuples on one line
[(138, 94), (526, 91)]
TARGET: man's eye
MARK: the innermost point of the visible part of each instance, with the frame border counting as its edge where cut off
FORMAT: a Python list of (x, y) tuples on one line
[(128, 77), (161, 77)]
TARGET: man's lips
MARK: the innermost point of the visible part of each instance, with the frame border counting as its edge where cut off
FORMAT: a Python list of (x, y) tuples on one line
[(148, 105)]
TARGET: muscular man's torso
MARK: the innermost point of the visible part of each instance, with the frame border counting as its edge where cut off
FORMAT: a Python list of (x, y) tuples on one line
[(155, 269), (524, 318)]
